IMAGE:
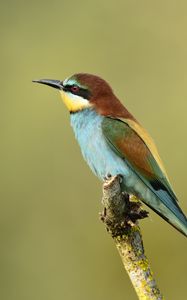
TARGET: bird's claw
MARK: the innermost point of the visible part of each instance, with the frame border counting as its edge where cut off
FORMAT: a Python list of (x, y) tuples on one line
[(107, 177)]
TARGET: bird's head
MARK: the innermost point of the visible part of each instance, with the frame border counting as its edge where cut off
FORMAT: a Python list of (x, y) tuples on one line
[(82, 91)]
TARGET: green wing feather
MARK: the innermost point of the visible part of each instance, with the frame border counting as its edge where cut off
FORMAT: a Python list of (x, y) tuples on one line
[(129, 145)]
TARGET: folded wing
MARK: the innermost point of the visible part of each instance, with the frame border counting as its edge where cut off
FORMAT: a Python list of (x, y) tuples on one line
[(131, 142)]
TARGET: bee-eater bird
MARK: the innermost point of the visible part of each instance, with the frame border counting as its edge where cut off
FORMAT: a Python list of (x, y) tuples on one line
[(113, 142)]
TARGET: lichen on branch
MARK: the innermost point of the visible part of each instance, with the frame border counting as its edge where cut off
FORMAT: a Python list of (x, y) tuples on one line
[(120, 216)]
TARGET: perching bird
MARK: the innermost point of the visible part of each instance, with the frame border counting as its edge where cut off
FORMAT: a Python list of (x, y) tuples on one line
[(113, 142)]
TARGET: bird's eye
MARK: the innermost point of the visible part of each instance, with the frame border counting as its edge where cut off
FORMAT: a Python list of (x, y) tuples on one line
[(74, 89)]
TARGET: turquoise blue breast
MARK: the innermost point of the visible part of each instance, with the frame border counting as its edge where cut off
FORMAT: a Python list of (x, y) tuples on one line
[(99, 156)]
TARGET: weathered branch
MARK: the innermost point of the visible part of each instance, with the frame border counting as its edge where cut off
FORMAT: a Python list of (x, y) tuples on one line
[(120, 216)]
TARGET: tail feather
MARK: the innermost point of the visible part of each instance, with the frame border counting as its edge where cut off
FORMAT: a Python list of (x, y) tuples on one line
[(165, 204), (171, 213)]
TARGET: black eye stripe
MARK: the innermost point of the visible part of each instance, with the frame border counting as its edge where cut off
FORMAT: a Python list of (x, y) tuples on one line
[(67, 88), (80, 92)]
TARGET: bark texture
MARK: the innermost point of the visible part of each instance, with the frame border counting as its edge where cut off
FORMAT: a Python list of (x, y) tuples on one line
[(120, 216)]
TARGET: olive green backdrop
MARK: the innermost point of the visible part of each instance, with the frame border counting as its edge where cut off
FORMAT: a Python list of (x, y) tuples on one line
[(52, 244)]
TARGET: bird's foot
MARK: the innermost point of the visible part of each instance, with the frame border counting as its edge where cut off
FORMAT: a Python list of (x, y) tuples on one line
[(109, 177), (121, 211)]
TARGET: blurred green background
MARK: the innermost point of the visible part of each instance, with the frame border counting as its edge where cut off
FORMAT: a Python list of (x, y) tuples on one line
[(53, 245)]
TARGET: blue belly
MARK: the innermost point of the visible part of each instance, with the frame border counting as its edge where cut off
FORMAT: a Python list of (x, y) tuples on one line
[(99, 156)]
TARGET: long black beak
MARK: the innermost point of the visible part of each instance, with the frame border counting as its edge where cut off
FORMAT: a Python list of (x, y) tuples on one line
[(57, 84)]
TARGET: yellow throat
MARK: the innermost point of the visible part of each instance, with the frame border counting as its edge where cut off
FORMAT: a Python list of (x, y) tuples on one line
[(73, 102)]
